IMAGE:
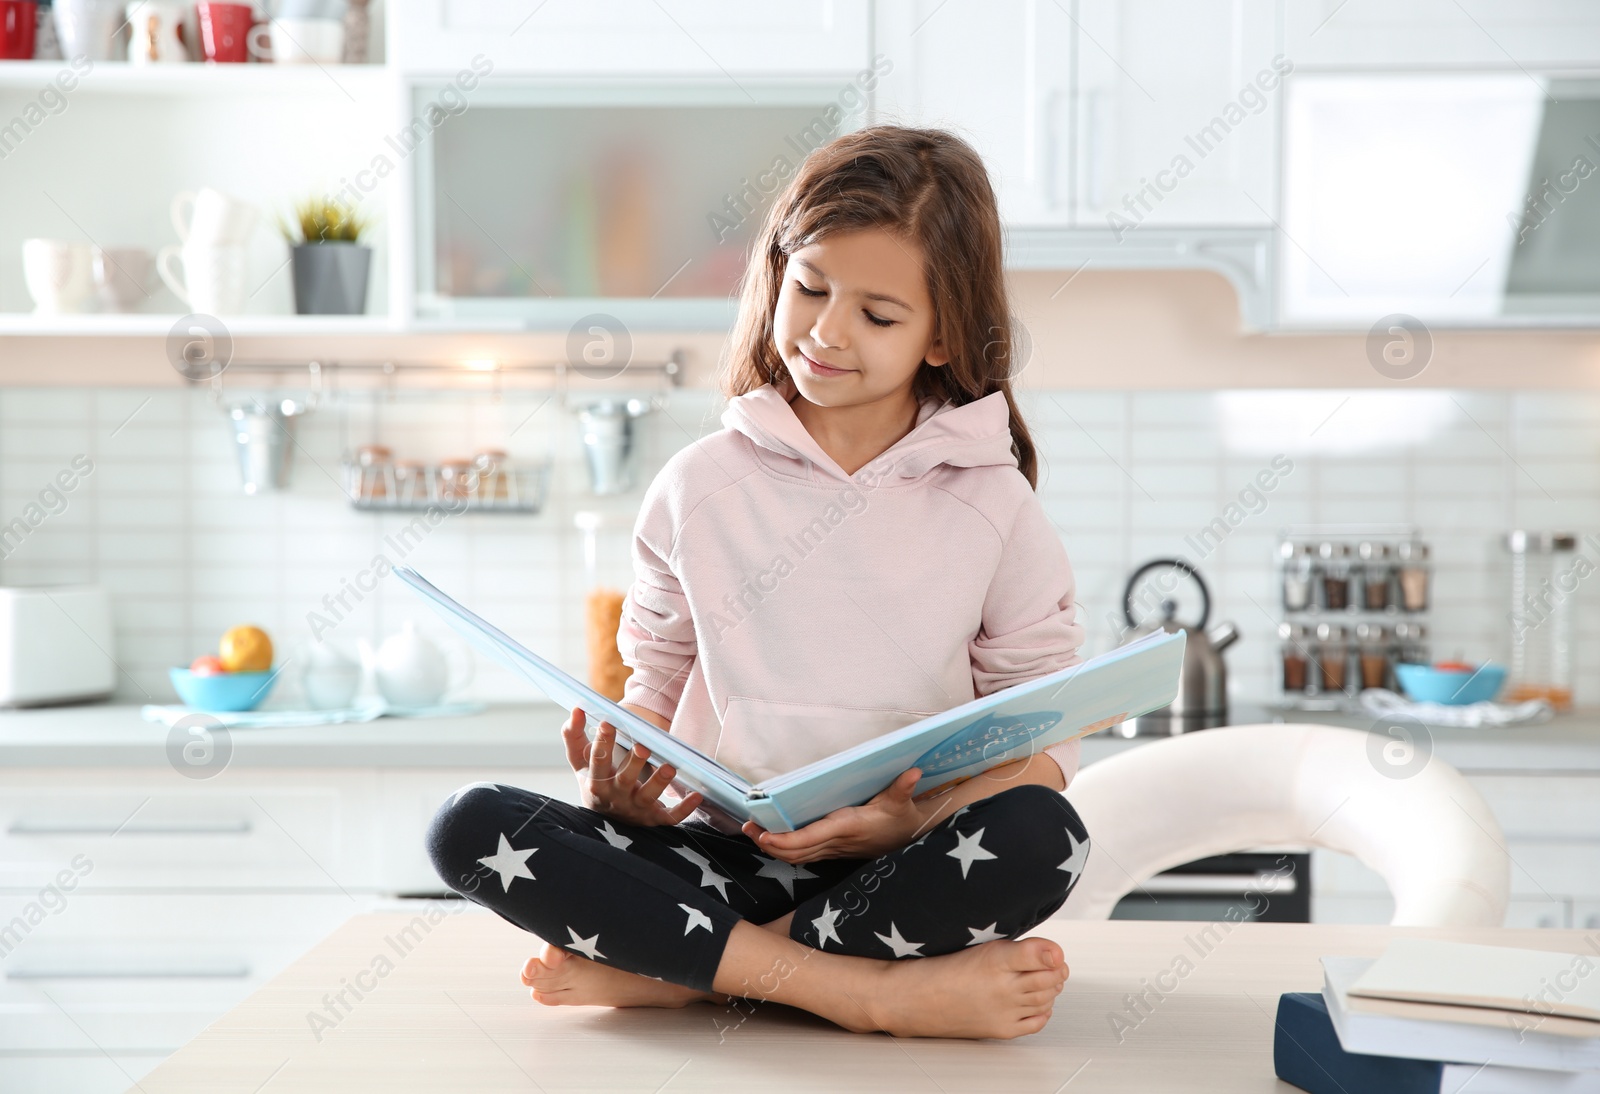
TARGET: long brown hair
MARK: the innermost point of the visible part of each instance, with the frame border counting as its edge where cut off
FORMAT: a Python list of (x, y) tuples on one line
[(927, 185)]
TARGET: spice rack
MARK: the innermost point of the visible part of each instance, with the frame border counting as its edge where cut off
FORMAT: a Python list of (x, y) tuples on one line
[(1354, 602), (487, 484)]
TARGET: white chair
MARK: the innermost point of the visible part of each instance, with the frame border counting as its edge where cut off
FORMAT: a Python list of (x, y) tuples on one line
[(1421, 825)]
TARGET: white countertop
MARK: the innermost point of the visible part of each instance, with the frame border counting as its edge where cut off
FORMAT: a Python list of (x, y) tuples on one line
[(528, 735)]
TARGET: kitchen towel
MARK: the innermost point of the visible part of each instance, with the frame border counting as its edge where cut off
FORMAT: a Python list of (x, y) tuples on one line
[(1387, 704), (279, 719)]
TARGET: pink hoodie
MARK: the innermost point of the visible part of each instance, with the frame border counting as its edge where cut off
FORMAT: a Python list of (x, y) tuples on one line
[(783, 610)]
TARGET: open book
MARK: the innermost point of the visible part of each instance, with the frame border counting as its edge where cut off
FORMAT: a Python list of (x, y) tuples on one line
[(1006, 725)]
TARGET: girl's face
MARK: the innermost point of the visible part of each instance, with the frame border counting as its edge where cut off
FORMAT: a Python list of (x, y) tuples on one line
[(857, 301)]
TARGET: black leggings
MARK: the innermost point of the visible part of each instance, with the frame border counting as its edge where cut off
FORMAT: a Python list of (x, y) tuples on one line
[(661, 901)]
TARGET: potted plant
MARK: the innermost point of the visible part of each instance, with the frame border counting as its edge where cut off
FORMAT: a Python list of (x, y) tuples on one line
[(330, 264)]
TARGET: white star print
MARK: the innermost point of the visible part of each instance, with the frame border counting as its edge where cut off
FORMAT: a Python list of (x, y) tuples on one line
[(459, 794), (708, 876), (985, 934), (697, 918), (785, 873), (969, 850), (509, 863), (1074, 862), (613, 837), (589, 947), (900, 946), (824, 925)]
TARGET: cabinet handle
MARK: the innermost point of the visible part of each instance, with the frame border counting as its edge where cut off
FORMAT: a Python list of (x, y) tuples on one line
[(24, 827)]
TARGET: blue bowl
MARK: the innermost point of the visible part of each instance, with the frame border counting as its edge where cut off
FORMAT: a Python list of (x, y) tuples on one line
[(227, 691), (1426, 684)]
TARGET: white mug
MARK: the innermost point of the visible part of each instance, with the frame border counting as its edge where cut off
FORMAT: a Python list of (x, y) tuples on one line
[(213, 281), (59, 274), (329, 677), (214, 218), (157, 32), (298, 41), (122, 277)]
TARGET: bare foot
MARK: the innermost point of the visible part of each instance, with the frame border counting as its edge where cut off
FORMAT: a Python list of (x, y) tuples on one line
[(561, 979), (999, 989)]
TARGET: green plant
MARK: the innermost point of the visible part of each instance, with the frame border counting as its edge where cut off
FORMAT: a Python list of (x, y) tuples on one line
[(324, 220)]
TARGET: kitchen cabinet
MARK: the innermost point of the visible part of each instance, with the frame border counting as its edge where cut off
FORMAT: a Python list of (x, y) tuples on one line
[(719, 38), (1174, 113), (1390, 34), (1128, 112)]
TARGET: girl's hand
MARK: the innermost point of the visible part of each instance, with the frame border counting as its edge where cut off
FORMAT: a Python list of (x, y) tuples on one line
[(631, 793), (889, 821)]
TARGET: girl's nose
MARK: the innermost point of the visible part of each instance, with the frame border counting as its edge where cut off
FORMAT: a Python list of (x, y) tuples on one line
[(828, 332)]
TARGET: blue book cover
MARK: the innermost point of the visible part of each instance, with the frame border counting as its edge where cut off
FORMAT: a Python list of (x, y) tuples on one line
[(955, 744)]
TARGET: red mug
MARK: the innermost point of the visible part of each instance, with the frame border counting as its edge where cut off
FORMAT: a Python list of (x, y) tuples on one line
[(224, 30), (18, 20)]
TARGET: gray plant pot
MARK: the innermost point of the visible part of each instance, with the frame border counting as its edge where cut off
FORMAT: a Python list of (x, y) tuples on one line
[(331, 278)]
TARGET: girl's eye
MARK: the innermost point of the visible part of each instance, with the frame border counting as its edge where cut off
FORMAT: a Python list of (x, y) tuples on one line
[(820, 292)]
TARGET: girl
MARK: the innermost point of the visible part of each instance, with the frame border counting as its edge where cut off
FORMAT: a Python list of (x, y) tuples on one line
[(858, 548)]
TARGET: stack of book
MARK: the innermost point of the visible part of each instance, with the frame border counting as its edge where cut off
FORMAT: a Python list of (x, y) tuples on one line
[(1441, 1017)]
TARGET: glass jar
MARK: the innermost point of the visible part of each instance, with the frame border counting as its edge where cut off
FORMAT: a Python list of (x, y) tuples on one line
[(457, 481), (1411, 643), (1414, 572), (411, 483), (1335, 575), (490, 464), (1374, 651), (1295, 647), (1377, 568), (1544, 580), (1299, 572), (373, 462), (1333, 657)]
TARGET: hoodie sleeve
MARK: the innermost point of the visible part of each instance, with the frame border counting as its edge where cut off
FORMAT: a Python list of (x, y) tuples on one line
[(656, 634), (1030, 626)]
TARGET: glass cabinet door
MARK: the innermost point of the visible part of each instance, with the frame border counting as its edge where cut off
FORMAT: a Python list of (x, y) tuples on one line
[(542, 204)]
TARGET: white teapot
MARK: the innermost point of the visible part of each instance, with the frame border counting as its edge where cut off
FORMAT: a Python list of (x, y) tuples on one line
[(411, 671)]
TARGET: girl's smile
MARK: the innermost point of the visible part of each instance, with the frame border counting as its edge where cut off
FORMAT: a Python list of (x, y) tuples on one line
[(821, 369)]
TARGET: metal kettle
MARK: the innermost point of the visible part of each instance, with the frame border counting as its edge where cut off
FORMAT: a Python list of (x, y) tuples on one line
[(1202, 701)]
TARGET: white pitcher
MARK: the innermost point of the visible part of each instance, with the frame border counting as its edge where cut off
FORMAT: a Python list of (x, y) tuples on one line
[(329, 676), (411, 671)]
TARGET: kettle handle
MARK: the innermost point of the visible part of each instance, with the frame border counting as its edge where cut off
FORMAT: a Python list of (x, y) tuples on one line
[(1173, 563)]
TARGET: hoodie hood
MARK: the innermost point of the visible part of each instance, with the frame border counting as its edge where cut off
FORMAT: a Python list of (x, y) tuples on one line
[(974, 435)]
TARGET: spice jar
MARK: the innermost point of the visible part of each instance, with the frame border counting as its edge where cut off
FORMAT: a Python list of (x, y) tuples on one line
[(1295, 639), (457, 480), (1333, 656), (411, 483), (1373, 649), (1299, 570), (1335, 575), (1377, 567), (1411, 643), (490, 464), (1413, 571), (373, 463)]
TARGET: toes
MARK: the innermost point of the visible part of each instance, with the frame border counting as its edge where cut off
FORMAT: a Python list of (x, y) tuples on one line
[(1039, 980), (1033, 1023), (552, 956), (1035, 953)]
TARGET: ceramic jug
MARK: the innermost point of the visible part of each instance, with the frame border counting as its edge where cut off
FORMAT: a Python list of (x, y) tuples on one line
[(329, 676), (411, 671)]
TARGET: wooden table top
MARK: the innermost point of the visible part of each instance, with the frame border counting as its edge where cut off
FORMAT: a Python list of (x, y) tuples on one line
[(442, 1009)]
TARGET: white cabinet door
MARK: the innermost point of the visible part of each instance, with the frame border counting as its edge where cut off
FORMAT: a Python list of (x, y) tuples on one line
[(1176, 112), (724, 39), (999, 76), (1399, 33)]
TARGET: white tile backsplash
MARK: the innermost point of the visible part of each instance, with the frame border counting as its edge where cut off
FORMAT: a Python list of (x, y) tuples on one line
[(162, 521)]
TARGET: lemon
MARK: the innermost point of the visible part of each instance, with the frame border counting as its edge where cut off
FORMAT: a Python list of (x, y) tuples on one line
[(246, 649)]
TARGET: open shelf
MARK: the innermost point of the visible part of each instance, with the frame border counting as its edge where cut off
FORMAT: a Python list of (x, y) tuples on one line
[(197, 77)]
